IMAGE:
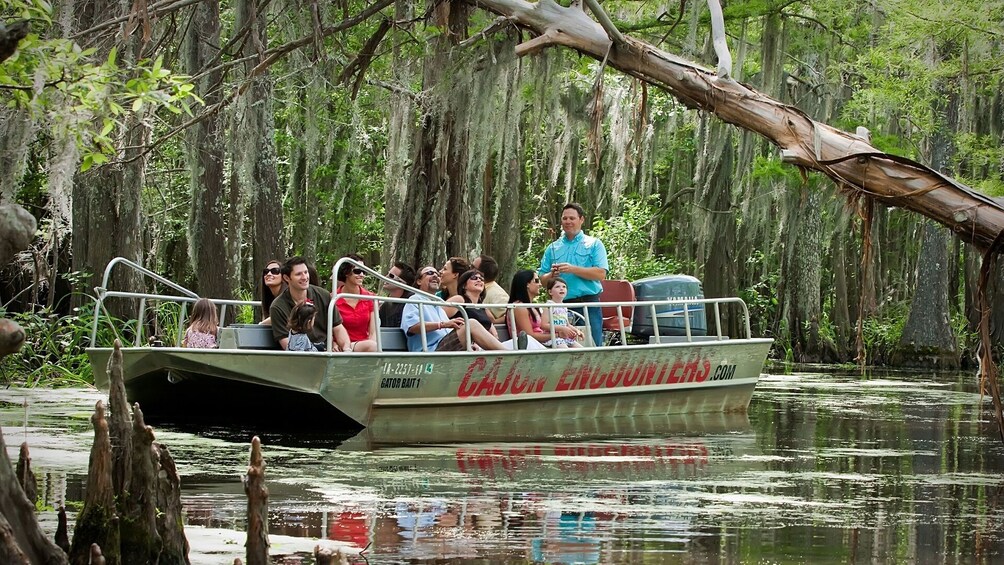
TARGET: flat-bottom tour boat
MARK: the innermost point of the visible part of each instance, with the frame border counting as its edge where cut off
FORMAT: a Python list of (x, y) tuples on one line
[(248, 381)]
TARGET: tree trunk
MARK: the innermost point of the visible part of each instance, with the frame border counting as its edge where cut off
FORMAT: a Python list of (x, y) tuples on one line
[(849, 160), (21, 538), (207, 221), (399, 134), (107, 201), (255, 159), (928, 340), (717, 246), (17, 129), (434, 226)]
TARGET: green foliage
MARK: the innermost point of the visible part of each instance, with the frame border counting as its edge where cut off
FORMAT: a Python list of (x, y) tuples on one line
[(761, 298), (882, 332), (78, 95), (627, 240), (53, 352)]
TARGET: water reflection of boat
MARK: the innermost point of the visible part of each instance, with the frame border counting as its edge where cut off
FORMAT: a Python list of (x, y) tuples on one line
[(608, 449), (393, 388), (555, 494), (409, 432)]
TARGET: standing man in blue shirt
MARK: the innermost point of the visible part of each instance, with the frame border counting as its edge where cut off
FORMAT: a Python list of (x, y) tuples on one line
[(580, 260)]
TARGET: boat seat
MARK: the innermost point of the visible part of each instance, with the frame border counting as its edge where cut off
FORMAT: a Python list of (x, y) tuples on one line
[(617, 291), (393, 339), (247, 336)]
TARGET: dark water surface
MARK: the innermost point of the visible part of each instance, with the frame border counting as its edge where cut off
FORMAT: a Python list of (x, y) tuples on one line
[(892, 467)]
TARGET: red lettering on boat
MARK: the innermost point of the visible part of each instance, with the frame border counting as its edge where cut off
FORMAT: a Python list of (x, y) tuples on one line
[(597, 379), (627, 375), (488, 381), (563, 383), (467, 387), (649, 371), (703, 375), (519, 384), (613, 378)]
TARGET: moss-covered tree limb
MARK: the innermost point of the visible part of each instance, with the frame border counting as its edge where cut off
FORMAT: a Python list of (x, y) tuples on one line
[(845, 157)]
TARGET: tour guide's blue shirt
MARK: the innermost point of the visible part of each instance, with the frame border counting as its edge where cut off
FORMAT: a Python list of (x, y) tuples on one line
[(582, 251)]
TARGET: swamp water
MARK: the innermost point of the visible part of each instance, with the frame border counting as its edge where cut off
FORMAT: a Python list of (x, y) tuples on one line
[(889, 468)]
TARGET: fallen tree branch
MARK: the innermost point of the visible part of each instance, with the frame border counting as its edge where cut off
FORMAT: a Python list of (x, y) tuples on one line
[(804, 142)]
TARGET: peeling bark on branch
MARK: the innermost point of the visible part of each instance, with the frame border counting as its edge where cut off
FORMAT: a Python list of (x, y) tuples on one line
[(844, 157)]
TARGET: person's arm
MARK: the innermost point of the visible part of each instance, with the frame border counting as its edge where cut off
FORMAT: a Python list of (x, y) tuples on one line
[(546, 266), (588, 273), (523, 324), (452, 310), (340, 338), (280, 330), (373, 325), (433, 326)]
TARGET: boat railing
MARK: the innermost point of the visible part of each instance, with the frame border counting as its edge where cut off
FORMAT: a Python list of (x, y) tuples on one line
[(682, 308), (425, 300), (187, 297)]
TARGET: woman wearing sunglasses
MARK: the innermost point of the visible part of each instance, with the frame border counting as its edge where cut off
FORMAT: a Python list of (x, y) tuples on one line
[(271, 286), (357, 313), (525, 288), (471, 290)]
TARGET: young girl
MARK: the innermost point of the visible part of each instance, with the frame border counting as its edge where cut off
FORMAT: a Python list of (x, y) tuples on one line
[(301, 321), (557, 316), (204, 326)]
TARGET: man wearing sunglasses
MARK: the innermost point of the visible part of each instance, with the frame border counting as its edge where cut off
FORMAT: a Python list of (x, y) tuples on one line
[(390, 312), (441, 332), (296, 274)]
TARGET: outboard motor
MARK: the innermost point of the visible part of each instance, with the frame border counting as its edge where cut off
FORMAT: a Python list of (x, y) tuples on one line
[(670, 317)]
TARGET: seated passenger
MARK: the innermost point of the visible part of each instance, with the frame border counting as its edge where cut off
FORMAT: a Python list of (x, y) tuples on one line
[(301, 321), (357, 314), (471, 288), (525, 287), (390, 312), (452, 268), (441, 332), (296, 275), (494, 293), (271, 286), (201, 332), (564, 334)]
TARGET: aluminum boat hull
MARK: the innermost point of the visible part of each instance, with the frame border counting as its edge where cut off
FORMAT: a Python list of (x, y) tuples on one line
[(400, 390)]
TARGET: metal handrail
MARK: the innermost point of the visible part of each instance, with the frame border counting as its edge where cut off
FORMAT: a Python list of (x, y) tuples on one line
[(102, 291), (424, 300), (437, 301)]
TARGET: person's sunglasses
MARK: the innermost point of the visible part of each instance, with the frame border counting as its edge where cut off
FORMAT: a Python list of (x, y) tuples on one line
[(393, 277), (357, 271), (476, 278), (535, 281), (429, 273), (272, 271)]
